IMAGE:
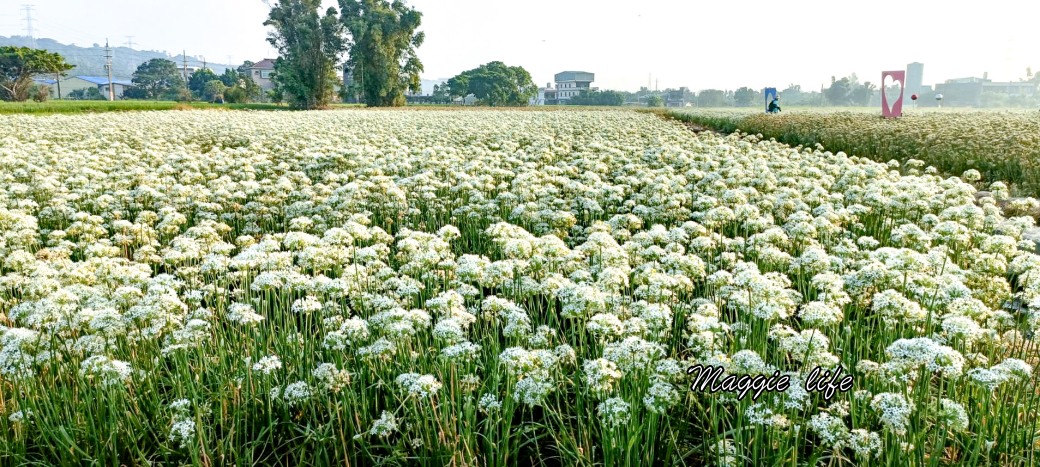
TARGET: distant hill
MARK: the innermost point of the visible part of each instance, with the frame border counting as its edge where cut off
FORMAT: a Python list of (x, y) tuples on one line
[(91, 60)]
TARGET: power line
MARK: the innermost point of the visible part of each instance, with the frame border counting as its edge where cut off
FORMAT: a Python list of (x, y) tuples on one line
[(129, 42), (28, 24)]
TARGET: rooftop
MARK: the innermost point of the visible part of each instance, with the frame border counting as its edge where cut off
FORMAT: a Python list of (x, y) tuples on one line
[(574, 76), (265, 64), (102, 80)]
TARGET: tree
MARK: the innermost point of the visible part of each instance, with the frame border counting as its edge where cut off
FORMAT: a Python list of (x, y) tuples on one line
[(230, 78), (158, 78), (19, 64), (213, 91), (239, 86), (249, 89), (861, 94), (745, 97), (713, 98), (197, 81), (495, 84), (382, 53), (458, 86), (39, 92), (839, 93), (440, 91), (654, 101), (613, 98), (309, 47)]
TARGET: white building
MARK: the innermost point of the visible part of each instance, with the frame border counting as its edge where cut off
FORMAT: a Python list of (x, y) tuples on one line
[(545, 96), (572, 83), (78, 82), (261, 73)]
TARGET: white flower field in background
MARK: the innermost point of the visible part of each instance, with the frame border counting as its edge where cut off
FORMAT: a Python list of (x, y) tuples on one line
[(496, 288)]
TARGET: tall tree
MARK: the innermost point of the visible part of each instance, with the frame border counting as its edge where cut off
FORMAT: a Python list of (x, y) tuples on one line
[(745, 97), (309, 48), (19, 64), (458, 86), (230, 77), (198, 80), (839, 92), (495, 84), (382, 53), (158, 78)]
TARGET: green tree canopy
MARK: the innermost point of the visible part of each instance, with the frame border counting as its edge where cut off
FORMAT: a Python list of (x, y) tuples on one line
[(382, 50), (598, 98), (745, 97), (230, 77), (713, 98), (495, 84), (158, 78), (861, 94), (213, 90), (197, 81), (839, 92), (241, 87), (18, 65), (309, 48), (654, 101)]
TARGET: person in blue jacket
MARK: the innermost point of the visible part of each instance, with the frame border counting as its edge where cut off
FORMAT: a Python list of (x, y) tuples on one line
[(774, 106)]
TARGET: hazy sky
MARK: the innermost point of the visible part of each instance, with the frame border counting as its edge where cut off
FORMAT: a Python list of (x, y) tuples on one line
[(681, 43)]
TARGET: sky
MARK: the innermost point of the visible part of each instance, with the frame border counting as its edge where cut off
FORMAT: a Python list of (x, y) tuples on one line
[(663, 43)]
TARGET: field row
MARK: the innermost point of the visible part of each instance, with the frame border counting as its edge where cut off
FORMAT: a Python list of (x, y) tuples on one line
[(1003, 146)]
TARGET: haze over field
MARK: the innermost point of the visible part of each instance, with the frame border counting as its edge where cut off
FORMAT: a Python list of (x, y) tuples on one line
[(694, 44)]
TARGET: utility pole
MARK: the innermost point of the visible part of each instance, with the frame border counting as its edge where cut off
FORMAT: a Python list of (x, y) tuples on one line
[(108, 66), (28, 24)]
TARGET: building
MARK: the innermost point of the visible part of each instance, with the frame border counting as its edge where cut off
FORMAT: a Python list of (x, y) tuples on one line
[(968, 92), (70, 84), (961, 92), (677, 97), (914, 78), (1012, 88), (572, 83), (261, 73), (545, 96)]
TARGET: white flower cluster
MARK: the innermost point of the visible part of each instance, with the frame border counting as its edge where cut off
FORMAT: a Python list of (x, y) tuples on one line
[(509, 259)]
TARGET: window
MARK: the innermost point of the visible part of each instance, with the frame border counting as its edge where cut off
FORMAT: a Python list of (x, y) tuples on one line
[(265, 74)]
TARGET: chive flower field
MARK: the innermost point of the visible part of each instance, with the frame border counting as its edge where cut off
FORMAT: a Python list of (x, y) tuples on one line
[(498, 288)]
